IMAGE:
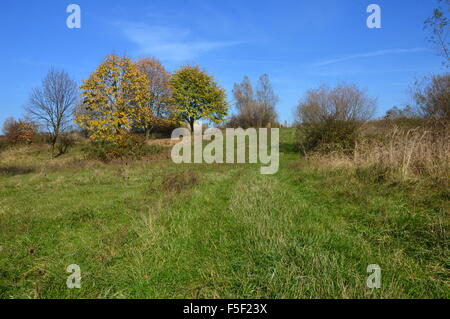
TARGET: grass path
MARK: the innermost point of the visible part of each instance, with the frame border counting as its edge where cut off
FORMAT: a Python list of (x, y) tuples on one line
[(158, 230)]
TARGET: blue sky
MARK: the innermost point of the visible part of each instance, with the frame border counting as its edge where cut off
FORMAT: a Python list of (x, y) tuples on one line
[(300, 44)]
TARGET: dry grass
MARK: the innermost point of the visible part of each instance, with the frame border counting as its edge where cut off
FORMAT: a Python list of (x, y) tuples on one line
[(36, 158), (24, 159), (177, 182), (165, 142), (173, 182), (402, 154), (413, 153)]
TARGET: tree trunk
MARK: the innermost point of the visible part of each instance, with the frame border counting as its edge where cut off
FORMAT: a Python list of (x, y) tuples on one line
[(148, 131), (53, 141)]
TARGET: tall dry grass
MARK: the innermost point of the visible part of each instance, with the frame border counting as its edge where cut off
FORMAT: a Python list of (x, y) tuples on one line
[(395, 152), (410, 153)]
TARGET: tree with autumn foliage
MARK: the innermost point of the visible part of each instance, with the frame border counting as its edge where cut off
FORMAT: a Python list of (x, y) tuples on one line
[(114, 98), (21, 131), (196, 96), (160, 93)]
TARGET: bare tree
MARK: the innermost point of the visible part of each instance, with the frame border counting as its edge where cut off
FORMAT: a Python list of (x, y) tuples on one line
[(342, 103), (439, 25), (432, 97), (52, 104), (160, 92), (254, 109), (266, 100), (245, 104)]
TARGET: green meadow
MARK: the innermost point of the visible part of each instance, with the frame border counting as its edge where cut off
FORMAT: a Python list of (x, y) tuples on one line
[(153, 229)]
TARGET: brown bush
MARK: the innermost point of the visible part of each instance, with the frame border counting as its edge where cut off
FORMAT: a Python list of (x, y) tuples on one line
[(19, 132), (329, 118)]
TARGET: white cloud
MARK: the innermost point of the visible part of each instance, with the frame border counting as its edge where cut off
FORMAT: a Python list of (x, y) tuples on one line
[(169, 43), (370, 54)]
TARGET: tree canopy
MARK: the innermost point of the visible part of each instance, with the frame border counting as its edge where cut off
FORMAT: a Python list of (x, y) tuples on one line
[(197, 96), (160, 94), (114, 97)]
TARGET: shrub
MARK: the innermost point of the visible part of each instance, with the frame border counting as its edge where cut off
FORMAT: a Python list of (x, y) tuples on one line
[(3, 143), (64, 142), (42, 138), (329, 118), (162, 129), (19, 132), (328, 136), (129, 146)]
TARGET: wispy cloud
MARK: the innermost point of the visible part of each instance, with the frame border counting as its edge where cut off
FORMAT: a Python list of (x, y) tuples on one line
[(169, 43), (370, 54)]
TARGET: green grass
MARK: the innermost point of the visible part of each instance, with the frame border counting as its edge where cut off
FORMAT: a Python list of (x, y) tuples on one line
[(153, 229)]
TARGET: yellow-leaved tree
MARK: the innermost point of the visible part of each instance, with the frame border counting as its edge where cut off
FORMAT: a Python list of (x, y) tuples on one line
[(114, 98), (196, 95)]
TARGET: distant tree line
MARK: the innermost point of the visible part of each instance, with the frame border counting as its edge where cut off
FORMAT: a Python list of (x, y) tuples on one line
[(122, 98)]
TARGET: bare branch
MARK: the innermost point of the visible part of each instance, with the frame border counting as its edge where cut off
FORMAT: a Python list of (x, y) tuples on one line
[(52, 103)]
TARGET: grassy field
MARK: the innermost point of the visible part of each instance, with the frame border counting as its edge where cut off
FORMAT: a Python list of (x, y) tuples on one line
[(153, 229)]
